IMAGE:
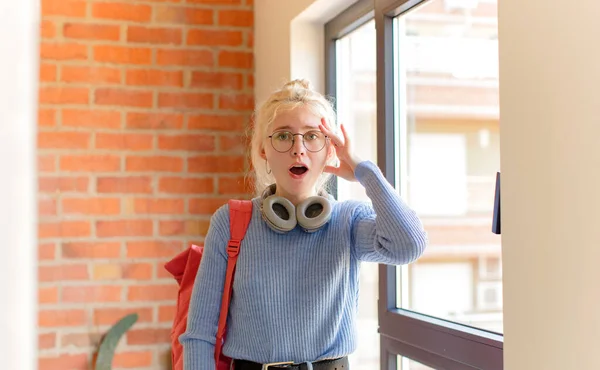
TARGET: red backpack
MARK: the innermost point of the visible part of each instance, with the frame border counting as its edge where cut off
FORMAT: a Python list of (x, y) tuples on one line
[(184, 267)]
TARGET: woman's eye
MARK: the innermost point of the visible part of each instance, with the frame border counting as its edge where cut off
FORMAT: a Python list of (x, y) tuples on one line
[(282, 136)]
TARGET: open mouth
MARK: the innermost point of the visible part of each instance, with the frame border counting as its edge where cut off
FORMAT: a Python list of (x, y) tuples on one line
[(298, 169)]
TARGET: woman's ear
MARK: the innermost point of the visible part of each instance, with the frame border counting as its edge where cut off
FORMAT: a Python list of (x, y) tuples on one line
[(263, 155)]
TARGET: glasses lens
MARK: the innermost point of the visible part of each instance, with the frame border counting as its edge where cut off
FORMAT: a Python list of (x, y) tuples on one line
[(314, 141), (282, 141)]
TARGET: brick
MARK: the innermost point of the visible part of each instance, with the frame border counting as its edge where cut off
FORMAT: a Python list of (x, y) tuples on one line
[(65, 8), (224, 122), (107, 271), (61, 317), (63, 273), (153, 249), (152, 292), (132, 142), (182, 57), (64, 229), (122, 97), (148, 336), (122, 11), (92, 118), (80, 340), (182, 185), (46, 251), (250, 39), (154, 164), (185, 100), (93, 163), (188, 227), (124, 185), (216, 2), (214, 37), (236, 18), (90, 250), (233, 143), (46, 117), (233, 185), (63, 361), (138, 77), (110, 316), (217, 80), (154, 35), (166, 313), (48, 72), (47, 295), (181, 15), (250, 81), (158, 206), (189, 142), (63, 51), (124, 228), (122, 54), (133, 360), (138, 271), (46, 207), (91, 294), (236, 59), (46, 163), (154, 121), (205, 206), (238, 102), (216, 164), (91, 206), (92, 31), (47, 340), (62, 184), (63, 140), (63, 95), (96, 75)]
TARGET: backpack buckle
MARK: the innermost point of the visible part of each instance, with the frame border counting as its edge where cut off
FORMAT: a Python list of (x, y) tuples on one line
[(233, 248)]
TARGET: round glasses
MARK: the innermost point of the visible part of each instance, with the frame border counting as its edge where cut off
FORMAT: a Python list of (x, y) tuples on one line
[(283, 141)]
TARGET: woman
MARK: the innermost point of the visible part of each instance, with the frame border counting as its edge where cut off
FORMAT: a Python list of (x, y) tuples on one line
[(295, 293)]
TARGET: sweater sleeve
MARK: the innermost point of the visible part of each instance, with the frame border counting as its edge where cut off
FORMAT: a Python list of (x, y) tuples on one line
[(388, 231), (199, 339)]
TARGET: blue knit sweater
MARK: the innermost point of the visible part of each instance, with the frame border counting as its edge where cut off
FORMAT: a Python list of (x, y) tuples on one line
[(295, 295)]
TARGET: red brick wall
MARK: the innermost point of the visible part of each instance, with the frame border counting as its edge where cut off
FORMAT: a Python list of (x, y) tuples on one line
[(142, 110)]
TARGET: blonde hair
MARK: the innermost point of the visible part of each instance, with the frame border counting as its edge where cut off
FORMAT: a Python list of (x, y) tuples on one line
[(293, 94)]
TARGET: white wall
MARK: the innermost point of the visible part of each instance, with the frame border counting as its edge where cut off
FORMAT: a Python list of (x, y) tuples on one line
[(280, 24), (550, 154), (19, 28)]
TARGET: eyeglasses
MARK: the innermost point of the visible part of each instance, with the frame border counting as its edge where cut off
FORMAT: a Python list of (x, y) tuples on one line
[(283, 141)]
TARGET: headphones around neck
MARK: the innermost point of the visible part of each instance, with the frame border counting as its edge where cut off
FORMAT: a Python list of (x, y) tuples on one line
[(281, 215)]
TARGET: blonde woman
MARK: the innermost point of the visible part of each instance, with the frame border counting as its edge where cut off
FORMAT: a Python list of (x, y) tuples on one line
[(295, 293)]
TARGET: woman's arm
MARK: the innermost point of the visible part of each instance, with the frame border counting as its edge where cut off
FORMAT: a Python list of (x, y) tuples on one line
[(388, 231), (203, 316)]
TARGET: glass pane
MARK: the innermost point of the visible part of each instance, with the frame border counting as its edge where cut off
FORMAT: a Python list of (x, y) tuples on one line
[(449, 153), (356, 108), (405, 363)]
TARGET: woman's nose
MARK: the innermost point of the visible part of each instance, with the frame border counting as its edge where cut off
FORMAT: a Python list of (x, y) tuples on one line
[(298, 147)]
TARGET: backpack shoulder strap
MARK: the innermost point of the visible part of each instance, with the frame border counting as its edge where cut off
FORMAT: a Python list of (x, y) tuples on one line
[(240, 213)]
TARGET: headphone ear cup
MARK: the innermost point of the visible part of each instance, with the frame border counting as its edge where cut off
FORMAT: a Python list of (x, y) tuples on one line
[(313, 213), (279, 213)]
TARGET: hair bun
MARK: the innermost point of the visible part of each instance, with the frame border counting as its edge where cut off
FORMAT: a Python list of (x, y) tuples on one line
[(298, 83)]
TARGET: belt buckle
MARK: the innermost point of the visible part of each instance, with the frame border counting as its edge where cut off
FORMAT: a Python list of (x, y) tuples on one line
[(267, 366)]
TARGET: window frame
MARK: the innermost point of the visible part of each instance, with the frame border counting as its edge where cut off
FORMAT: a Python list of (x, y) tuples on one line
[(434, 342)]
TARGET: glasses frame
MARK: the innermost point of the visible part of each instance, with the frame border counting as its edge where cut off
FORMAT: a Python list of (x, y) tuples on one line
[(294, 140)]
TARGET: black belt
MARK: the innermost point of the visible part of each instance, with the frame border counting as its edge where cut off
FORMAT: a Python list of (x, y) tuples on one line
[(337, 364)]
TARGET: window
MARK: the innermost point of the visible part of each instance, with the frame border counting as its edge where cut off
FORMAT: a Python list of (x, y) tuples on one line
[(417, 81), (354, 58)]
